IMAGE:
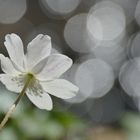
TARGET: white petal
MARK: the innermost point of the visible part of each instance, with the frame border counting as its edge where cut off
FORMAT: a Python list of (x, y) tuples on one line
[(43, 102), (55, 66), (38, 49), (39, 67), (60, 88), (10, 84), (7, 66), (14, 46)]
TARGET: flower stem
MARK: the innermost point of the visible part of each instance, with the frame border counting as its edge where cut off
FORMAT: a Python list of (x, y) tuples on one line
[(12, 108)]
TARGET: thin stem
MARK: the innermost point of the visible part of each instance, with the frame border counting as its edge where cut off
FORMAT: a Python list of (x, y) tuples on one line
[(12, 108)]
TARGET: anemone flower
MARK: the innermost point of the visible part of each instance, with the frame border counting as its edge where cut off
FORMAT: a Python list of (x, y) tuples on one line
[(35, 73)]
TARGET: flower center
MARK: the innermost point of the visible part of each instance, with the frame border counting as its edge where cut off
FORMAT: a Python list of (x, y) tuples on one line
[(34, 87), (30, 75)]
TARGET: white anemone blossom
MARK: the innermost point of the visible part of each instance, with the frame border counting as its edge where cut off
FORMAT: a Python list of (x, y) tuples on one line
[(38, 64)]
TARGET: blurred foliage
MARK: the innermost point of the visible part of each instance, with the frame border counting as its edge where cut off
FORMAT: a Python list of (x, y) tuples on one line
[(31, 123), (106, 133), (34, 124), (131, 125)]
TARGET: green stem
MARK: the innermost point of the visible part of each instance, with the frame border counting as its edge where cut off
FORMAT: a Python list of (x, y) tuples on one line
[(12, 108)]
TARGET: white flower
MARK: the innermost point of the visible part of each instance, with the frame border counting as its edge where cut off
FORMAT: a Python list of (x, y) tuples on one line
[(45, 69)]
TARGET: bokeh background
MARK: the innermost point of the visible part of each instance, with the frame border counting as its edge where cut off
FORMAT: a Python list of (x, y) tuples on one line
[(103, 39)]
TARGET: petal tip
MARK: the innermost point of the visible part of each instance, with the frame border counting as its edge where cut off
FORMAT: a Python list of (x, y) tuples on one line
[(8, 36), (49, 108), (47, 37), (77, 89)]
